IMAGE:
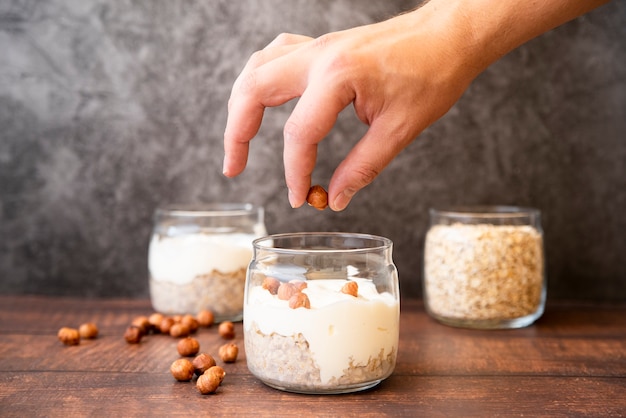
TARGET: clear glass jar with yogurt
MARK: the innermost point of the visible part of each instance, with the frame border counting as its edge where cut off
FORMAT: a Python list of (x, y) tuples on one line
[(484, 267), (321, 312), (198, 257)]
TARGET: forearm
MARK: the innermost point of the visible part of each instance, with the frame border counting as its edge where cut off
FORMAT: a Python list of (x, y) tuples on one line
[(489, 29)]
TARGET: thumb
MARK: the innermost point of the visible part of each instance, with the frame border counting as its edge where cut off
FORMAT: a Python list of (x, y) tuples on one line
[(378, 147)]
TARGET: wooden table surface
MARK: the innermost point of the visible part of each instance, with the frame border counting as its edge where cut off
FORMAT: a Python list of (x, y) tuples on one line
[(572, 362)]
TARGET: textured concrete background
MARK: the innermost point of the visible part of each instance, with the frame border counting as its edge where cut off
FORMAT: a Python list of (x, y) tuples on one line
[(111, 108)]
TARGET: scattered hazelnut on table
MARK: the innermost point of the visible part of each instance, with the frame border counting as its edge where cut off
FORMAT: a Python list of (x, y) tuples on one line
[(271, 285), (317, 197), (299, 300), (202, 363), (207, 383), (350, 288), (88, 330), (226, 330), (179, 330), (69, 336), (229, 352), (133, 334), (191, 322), (188, 347), (182, 370), (166, 325), (142, 322), (217, 371), (205, 318), (155, 320)]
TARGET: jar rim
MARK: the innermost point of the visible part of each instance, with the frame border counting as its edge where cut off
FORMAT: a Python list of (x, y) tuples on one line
[(486, 211), (202, 210), (261, 243)]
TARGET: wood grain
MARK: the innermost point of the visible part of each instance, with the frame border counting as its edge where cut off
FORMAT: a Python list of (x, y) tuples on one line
[(572, 362)]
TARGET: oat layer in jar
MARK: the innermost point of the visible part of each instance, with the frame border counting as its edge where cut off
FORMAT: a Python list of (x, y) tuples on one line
[(321, 312), (484, 267), (198, 257)]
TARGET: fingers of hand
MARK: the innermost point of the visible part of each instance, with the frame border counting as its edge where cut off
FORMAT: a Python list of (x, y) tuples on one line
[(242, 124), (282, 45), (379, 146), (311, 120), (299, 160), (288, 39), (262, 83)]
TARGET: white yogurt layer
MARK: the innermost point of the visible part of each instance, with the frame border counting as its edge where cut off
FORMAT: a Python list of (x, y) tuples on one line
[(180, 258), (341, 330)]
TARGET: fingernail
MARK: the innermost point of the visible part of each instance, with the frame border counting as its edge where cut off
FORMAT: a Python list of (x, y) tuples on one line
[(342, 199), (291, 198)]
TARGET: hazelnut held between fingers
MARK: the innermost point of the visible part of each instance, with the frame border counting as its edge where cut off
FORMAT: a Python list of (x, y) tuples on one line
[(317, 197)]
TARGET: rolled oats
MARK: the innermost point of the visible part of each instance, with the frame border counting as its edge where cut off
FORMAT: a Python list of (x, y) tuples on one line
[(287, 360), (220, 292), (483, 272)]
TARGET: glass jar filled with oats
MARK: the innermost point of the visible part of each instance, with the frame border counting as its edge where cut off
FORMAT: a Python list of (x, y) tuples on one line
[(198, 257), (484, 267)]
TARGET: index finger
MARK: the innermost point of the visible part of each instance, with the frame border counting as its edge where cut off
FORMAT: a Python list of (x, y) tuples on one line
[(254, 90), (311, 120), (242, 124)]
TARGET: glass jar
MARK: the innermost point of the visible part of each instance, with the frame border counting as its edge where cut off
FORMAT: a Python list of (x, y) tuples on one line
[(484, 267), (321, 312), (198, 256)]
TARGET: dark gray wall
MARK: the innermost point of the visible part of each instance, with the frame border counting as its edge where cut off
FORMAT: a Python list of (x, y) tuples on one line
[(111, 108)]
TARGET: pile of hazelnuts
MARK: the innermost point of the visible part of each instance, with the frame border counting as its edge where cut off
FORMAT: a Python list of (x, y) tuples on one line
[(177, 326), (203, 366)]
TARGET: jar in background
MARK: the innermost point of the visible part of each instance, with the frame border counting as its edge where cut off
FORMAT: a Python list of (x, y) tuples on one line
[(321, 312), (198, 257), (484, 267)]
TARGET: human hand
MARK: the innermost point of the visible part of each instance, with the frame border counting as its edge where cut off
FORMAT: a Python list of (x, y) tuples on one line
[(396, 88), (400, 75)]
